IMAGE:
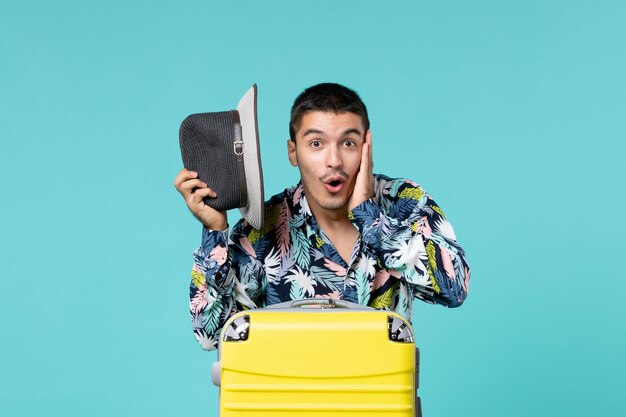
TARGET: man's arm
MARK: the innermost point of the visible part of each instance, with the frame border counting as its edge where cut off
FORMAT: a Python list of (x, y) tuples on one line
[(409, 235), (226, 276), (211, 289), (411, 238)]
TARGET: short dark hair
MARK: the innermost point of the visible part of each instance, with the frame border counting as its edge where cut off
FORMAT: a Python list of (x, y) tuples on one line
[(328, 97)]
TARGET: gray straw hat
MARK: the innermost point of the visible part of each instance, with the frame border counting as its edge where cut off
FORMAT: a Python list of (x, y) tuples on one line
[(223, 148)]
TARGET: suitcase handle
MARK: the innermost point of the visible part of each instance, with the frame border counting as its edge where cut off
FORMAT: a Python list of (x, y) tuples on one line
[(322, 302)]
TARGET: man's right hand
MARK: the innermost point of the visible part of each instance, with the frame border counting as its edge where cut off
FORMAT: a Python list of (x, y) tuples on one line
[(194, 192)]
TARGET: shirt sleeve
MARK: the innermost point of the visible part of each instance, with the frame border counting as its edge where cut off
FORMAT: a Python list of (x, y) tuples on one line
[(225, 279), (409, 235)]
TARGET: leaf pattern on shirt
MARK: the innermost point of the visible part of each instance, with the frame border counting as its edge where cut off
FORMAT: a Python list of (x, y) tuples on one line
[(329, 279), (302, 281), (300, 247), (282, 231), (383, 300)]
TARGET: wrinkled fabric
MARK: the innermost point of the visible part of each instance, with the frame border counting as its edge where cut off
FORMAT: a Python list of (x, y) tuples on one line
[(406, 249)]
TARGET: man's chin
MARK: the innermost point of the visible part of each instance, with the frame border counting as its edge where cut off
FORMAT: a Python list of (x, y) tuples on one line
[(332, 205)]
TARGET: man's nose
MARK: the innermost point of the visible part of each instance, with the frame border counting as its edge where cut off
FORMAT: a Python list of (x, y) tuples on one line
[(333, 159)]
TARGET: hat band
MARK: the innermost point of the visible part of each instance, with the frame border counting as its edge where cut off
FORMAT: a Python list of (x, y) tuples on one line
[(238, 150)]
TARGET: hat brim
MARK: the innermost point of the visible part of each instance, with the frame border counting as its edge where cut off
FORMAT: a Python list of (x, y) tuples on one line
[(254, 210)]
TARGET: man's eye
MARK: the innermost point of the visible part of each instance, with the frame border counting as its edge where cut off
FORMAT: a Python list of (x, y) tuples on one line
[(350, 143), (316, 143)]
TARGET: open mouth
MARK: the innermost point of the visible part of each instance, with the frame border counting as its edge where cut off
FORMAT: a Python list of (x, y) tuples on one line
[(334, 184)]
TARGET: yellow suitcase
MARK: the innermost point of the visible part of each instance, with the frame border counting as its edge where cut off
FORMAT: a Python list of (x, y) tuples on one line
[(317, 357)]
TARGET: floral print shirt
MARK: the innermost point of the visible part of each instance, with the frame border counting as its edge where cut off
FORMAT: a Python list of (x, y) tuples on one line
[(406, 249)]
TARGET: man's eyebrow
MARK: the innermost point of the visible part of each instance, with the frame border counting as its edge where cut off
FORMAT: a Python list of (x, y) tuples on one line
[(320, 132), (352, 130), (312, 131)]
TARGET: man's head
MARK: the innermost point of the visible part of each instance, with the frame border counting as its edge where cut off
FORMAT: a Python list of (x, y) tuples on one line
[(327, 97), (328, 129)]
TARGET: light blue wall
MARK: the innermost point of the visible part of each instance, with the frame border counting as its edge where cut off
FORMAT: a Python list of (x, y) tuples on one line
[(511, 114)]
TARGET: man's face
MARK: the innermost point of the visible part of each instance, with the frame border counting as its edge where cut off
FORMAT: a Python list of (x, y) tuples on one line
[(327, 150)]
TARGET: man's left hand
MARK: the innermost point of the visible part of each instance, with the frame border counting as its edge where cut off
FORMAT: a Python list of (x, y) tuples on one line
[(364, 186)]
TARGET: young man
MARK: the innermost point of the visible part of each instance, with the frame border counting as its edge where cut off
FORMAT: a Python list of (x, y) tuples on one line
[(341, 233)]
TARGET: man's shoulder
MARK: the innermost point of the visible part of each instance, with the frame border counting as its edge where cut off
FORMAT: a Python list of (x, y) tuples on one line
[(404, 199), (393, 188)]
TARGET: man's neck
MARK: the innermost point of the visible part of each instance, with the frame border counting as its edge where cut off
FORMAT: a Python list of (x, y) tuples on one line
[(329, 218)]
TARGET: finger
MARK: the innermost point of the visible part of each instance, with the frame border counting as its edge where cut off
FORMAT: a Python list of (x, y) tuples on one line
[(368, 137), (183, 176), (189, 185), (366, 154), (201, 194)]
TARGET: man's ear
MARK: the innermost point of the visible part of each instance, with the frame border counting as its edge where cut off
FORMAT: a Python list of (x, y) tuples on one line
[(291, 152)]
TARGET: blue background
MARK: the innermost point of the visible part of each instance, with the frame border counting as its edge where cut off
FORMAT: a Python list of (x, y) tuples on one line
[(511, 114)]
